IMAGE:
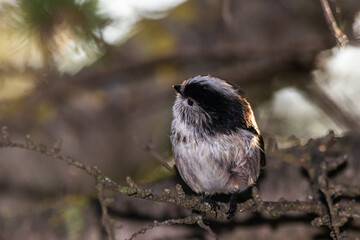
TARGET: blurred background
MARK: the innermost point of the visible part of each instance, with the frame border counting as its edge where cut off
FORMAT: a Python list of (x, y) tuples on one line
[(98, 75)]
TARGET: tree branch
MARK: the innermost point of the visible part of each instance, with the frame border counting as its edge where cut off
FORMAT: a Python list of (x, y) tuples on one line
[(341, 37), (107, 222), (194, 219), (330, 215)]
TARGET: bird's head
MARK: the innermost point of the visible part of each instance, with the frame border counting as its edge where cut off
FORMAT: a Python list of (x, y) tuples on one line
[(209, 103)]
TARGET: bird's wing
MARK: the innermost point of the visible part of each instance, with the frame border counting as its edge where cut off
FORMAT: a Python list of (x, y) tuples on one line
[(262, 152), (261, 145), (253, 128)]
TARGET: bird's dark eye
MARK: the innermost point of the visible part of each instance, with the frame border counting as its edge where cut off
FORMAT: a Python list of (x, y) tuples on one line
[(190, 102)]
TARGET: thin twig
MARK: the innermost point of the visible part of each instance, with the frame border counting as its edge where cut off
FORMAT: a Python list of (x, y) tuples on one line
[(324, 189), (107, 222), (149, 147), (194, 219), (344, 190), (354, 215), (341, 37)]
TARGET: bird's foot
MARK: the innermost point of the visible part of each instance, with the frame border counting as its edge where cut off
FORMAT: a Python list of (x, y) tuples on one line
[(232, 210), (232, 206), (214, 206), (204, 219)]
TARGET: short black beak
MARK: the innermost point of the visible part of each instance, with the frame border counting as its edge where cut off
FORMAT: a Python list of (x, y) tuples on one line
[(177, 88)]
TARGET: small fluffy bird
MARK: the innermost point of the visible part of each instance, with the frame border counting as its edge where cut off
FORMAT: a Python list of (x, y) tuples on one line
[(216, 142)]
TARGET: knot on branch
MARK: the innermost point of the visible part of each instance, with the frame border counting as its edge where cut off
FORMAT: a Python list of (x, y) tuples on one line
[(180, 192)]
